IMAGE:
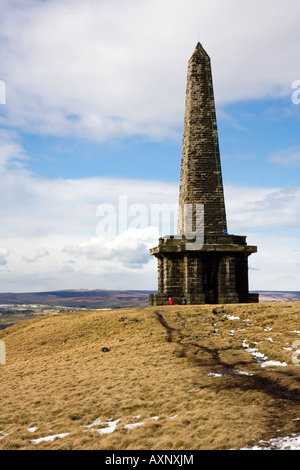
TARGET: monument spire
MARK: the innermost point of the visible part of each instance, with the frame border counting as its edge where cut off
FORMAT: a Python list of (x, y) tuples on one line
[(201, 176)]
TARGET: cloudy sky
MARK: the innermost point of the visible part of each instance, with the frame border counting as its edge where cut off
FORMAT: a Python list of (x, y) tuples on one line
[(91, 118)]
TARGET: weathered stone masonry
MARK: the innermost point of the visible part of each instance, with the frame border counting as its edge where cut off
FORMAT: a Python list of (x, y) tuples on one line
[(217, 271)]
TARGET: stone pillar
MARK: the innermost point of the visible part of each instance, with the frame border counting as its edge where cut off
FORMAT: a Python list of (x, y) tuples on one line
[(172, 279), (227, 289), (193, 285), (160, 269)]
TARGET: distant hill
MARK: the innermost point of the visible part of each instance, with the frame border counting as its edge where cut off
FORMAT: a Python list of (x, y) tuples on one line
[(82, 298), (102, 298), (278, 296)]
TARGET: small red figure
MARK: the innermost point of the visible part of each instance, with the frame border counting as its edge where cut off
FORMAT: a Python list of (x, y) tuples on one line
[(170, 301)]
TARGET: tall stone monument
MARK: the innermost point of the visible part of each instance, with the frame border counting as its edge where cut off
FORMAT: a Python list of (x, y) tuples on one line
[(202, 264)]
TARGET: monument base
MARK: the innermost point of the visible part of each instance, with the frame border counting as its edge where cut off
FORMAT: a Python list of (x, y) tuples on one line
[(215, 274)]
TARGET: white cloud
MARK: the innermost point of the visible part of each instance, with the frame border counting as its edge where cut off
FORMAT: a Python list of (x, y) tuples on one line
[(252, 208), (11, 151), (35, 256), (129, 249), (100, 69), (4, 252), (288, 157), (276, 264)]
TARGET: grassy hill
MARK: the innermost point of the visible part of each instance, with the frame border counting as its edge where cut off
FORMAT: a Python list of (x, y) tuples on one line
[(181, 377)]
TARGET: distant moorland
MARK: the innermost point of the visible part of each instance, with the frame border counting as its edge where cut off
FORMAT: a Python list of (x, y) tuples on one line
[(81, 298), (17, 307), (100, 298)]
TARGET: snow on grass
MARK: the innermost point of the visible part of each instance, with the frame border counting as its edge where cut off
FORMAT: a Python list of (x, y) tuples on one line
[(111, 427), (228, 372), (231, 317), (273, 363), (279, 443), (133, 425), (254, 352), (97, 422), (49, 438), (261, 358), (32, 429), (2, 435)]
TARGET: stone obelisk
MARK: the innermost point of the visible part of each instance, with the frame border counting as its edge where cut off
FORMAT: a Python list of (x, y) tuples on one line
[(201, 176), (202, 263)]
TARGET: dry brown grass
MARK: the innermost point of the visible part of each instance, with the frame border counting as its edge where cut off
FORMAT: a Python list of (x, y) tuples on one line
[(58, 379)]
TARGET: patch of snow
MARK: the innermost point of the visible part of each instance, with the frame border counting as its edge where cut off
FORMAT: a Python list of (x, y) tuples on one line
[(240, 372), (273, 363), (97, 422), (228, 372), (278, 443), (261, 358), (3, 435), (49, 438), (134, 425), (254, 352), (231, 317), (111, 427), (32, 429)]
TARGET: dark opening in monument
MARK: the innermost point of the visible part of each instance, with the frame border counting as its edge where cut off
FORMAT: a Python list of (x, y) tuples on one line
[(210, 280)]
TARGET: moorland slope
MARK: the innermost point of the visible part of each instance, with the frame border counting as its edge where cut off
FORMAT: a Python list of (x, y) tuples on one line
[(180, 377)]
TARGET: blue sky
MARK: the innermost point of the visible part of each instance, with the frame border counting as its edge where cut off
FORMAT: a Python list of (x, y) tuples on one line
[(249, 141), (95, 112)]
